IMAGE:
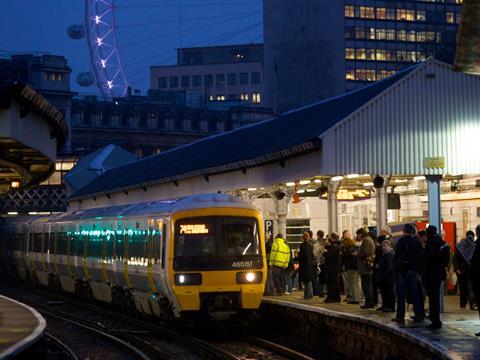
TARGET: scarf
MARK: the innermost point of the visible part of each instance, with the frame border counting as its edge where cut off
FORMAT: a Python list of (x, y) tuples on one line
[(466, 247)]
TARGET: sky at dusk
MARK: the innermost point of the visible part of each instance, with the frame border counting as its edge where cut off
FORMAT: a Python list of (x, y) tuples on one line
[(148, 31)]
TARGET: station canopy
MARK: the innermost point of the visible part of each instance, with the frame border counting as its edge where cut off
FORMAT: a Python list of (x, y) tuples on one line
[(423, 120)]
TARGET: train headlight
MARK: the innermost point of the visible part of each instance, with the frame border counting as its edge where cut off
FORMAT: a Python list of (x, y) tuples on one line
[(188, 279), (251, 277)]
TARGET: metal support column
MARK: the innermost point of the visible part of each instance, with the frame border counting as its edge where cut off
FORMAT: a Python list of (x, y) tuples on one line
[(381, 205), (333, 187), (281, 206), (434, 205)]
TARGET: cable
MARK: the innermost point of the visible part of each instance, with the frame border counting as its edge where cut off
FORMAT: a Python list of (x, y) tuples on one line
[(177, 32), (187, 5), (191, 19)]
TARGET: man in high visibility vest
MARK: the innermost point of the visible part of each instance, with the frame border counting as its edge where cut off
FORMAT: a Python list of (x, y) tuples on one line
[(278, 261)]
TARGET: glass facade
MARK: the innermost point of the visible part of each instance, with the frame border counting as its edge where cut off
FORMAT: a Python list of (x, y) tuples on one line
[(385, 36)]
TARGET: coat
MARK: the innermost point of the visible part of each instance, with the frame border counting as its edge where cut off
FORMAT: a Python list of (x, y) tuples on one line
[(280, 254), (408, 255), (333, 259), (305, 261), (385, 273), (475, 268), (435, 269), (349, 257), (367, 249)]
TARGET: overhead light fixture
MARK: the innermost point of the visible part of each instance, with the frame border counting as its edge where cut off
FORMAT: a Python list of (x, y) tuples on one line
[(419, 178), (317, 181), (366, 175), (12, 213), (305, 182), (337, 178), (300, 191), (33, 213), (400, 181), (15, 184), (291, 183), (311, 190), (252, 189), (368, 184), (353, 176)]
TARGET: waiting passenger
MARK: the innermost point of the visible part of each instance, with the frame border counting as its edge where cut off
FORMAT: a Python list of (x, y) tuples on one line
[(408, 253), (351, 278), (278, 261), (386, 277), (305, 261), (333, 264), (461, 264), (475, 270), (366, 256)]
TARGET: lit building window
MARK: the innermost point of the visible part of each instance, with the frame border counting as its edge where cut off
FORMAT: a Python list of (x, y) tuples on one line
[(244, 96), (220, 98), (349, 54), (256, 98), (349, 11), (450, 17)]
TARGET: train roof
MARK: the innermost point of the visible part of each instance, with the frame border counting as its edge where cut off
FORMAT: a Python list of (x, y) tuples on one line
[(158, 207)]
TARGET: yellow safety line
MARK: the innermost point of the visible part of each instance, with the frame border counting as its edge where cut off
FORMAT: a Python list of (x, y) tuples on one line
[(69, 250), (125, 262), (55, 265), (84, 257), (104, 262), (151, 280)]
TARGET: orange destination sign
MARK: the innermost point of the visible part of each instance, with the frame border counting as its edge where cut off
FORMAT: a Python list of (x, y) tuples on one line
[(193, 229)]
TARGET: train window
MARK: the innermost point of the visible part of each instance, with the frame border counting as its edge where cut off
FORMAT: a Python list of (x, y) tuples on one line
[(62, 243), (120, 242), (195, 237), (95, 243), (138, 246), (240, 236), (37, 242), (109, 244), (77, 249), (217, 236)]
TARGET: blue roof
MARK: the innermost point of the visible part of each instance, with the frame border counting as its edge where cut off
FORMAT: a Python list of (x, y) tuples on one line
[(289, 134)]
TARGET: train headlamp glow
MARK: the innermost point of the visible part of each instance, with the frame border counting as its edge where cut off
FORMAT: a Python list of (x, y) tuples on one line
[(188, 279), (250, 277)]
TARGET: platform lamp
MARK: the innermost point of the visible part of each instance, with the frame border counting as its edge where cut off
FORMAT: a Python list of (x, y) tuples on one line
[(378, 182), (15, 184), (279, 195)]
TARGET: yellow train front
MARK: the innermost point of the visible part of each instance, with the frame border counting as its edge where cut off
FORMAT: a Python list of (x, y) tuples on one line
[(217, 264)]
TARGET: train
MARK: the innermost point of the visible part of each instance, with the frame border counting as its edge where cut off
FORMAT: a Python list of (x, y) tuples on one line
[(200, 255)]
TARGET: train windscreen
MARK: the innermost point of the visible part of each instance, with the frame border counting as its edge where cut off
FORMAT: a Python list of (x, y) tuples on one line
[(218, 238)]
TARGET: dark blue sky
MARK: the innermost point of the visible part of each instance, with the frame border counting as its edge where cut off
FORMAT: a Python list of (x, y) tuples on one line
[(40, 25)]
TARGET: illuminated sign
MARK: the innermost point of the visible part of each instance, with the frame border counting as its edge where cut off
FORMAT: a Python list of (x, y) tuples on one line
[(434, 162), (193, 229), (349, 195)]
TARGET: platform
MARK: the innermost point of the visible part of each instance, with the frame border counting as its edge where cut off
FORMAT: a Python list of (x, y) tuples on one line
[(456, 340), (20, 327)]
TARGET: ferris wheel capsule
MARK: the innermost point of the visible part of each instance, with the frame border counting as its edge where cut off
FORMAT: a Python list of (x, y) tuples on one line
[(76, 31), (86, 79)]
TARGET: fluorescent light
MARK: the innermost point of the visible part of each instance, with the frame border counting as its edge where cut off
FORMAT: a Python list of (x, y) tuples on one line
[(419, 178), (318, 181), (368, 184), (337, 178), (300, 191), (33, 213), (291, 183), (311, 190), (12, 213), (15, 184), (252, 189), (305, 182), (366, 175), (353, 176), (399, 181)]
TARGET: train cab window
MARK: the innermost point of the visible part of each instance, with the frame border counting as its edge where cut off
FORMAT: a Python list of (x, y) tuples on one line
[(217, 236), (240, 237), (195, 237)]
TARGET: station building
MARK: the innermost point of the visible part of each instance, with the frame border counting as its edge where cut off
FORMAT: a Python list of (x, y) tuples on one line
[(318, 167)]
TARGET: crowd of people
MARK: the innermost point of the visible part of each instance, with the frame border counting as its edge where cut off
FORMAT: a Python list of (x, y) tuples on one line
[(367, 268)]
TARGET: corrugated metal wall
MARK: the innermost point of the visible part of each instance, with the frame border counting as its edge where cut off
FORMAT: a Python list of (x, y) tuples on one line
[(432, 112)]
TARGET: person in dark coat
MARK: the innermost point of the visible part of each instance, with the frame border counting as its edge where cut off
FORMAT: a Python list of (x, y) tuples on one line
[(269, 286), (333, 266), (408, 255), (386, 277), (435, 273), (461, 265), (305, 261), (475, 270)]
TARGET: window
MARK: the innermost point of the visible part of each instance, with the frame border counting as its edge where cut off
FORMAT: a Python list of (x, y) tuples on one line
[(350, 74), (256, 98), (173, 81), (349, 54), (295, 229), (162, 82), (421, 15), (232, 79), (255, 78), (220, 79), (450, 17), (244, 96), (349, 11), (220, 98), (185, 81), (197, 80), (243, 78), (208, 80)]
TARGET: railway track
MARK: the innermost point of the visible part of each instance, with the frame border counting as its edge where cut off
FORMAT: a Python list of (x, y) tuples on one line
[(141, 337), (64, 348)]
